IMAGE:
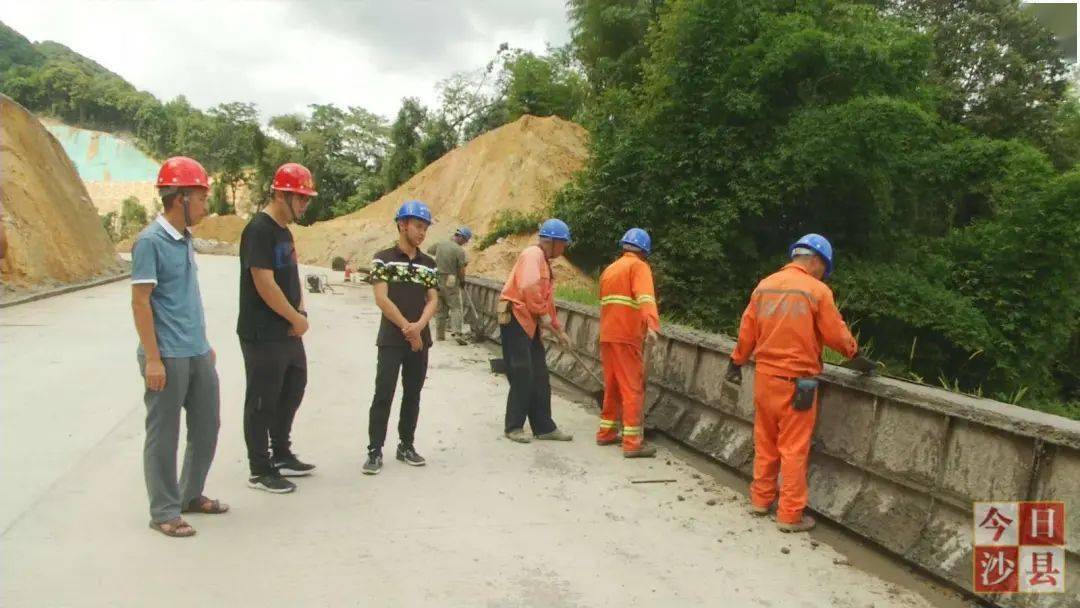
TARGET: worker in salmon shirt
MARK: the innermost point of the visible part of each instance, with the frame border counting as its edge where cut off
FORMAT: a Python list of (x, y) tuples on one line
[(526, 307)]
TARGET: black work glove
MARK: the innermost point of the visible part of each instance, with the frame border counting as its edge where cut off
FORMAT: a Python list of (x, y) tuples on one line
[(733, 373), (861, 364)]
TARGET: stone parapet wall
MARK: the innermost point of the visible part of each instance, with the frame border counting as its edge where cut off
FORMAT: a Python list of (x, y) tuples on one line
[(898, 463)]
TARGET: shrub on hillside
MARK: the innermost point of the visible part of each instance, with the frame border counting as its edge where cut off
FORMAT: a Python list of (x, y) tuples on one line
[(509, 222), (132, 217)]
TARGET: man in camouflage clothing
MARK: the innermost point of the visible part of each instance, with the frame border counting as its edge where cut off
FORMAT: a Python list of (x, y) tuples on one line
[(451, 260)]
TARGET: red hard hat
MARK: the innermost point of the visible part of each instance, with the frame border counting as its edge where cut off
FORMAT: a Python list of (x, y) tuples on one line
[(181, 171), (294, 177)]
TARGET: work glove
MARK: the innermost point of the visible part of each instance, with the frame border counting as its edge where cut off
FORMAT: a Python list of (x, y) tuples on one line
[(733, 373), (861, 364)]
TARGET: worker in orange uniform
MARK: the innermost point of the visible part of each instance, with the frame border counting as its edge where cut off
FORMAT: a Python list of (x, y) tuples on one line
[(790, 315), (527, 305), (628, 315)]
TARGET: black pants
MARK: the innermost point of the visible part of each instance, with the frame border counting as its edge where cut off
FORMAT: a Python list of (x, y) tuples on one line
[(276, 379), (530, 384), (413, 368)]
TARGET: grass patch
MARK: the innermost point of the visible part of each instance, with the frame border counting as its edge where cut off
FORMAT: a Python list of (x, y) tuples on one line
[(580, 295), (509, 223)]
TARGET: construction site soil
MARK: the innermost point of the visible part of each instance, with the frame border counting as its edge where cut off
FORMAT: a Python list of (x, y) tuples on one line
[(54, 233)]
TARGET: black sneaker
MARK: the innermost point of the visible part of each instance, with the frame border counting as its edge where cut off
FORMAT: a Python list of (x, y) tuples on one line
[(291, 466), (271, 483), (373, 464), (409, 456)]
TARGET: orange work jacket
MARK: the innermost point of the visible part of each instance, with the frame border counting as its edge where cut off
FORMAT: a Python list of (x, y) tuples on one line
[(790, 315), (627, 301)]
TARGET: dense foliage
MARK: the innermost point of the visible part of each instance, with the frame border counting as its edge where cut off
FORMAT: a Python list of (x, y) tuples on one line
[(941, 177)]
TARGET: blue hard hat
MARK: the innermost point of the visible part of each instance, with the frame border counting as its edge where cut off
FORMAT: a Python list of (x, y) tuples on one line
[(414, 209), (464, 232), (819, 245), (638, 238), (555, 229)]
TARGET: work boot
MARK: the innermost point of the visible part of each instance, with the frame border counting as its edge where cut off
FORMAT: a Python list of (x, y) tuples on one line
[(556, 435), (645, 451), (617, 440), (805, 524), (758, 511), (518, 435)]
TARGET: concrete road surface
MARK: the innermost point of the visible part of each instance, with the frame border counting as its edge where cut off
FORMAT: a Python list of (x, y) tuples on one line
[(487, 522)]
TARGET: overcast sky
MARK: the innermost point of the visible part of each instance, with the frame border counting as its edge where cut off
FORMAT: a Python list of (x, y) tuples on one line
[(285, 54)]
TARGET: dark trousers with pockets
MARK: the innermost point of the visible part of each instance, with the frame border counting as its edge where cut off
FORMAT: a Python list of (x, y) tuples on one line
[(413, 370), (276, 379), (530, 384)]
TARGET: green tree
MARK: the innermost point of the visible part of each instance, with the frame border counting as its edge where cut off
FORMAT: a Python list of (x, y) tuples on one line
[(16, 51), (544, 85), (997, 70), (341, 147), (108, 222), (609, 38), (237, 143), (758, 121), (132, 217), (402, 159)]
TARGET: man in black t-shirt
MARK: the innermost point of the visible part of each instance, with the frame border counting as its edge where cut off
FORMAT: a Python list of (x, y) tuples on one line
[(270, 324), (406, 284)]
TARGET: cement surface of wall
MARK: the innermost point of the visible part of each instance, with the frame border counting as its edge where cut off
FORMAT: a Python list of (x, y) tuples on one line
[(898, 463)]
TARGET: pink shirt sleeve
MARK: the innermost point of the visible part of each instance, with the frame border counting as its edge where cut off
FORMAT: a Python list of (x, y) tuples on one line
[(533, 283)]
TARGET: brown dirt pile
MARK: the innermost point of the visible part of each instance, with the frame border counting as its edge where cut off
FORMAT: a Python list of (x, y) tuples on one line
[(224, 228), (516, 167), (52, 226)]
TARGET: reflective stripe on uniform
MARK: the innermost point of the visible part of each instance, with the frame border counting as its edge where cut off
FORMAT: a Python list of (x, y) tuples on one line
[(620, 300), (607, 424), (631, 431), (646, 299)]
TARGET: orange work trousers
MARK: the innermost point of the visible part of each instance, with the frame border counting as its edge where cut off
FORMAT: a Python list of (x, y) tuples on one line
[(781, 446), (624, 394)]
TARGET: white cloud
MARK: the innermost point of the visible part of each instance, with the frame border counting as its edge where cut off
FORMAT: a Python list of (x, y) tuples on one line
[(286, 54)]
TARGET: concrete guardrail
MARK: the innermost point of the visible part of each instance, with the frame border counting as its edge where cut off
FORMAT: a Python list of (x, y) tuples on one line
[(898, 463)]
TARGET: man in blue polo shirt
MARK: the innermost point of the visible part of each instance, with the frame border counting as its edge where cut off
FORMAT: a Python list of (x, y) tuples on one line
[(174, 356)]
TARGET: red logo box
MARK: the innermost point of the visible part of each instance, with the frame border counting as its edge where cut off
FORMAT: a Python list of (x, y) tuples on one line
[(997, 570), (1042, 523)]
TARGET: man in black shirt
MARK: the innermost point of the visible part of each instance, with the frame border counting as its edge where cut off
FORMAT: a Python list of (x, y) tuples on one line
[(406, 284), (270, 324)]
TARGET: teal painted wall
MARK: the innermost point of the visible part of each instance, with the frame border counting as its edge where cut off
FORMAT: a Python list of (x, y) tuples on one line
[(104, 157)]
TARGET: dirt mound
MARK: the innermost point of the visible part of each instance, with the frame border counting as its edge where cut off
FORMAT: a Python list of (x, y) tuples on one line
[(53, 228), (518, 167), (496, 261), (224, 228)]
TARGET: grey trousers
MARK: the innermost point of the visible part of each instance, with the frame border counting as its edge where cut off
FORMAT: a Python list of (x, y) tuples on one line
[(191, 383)]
